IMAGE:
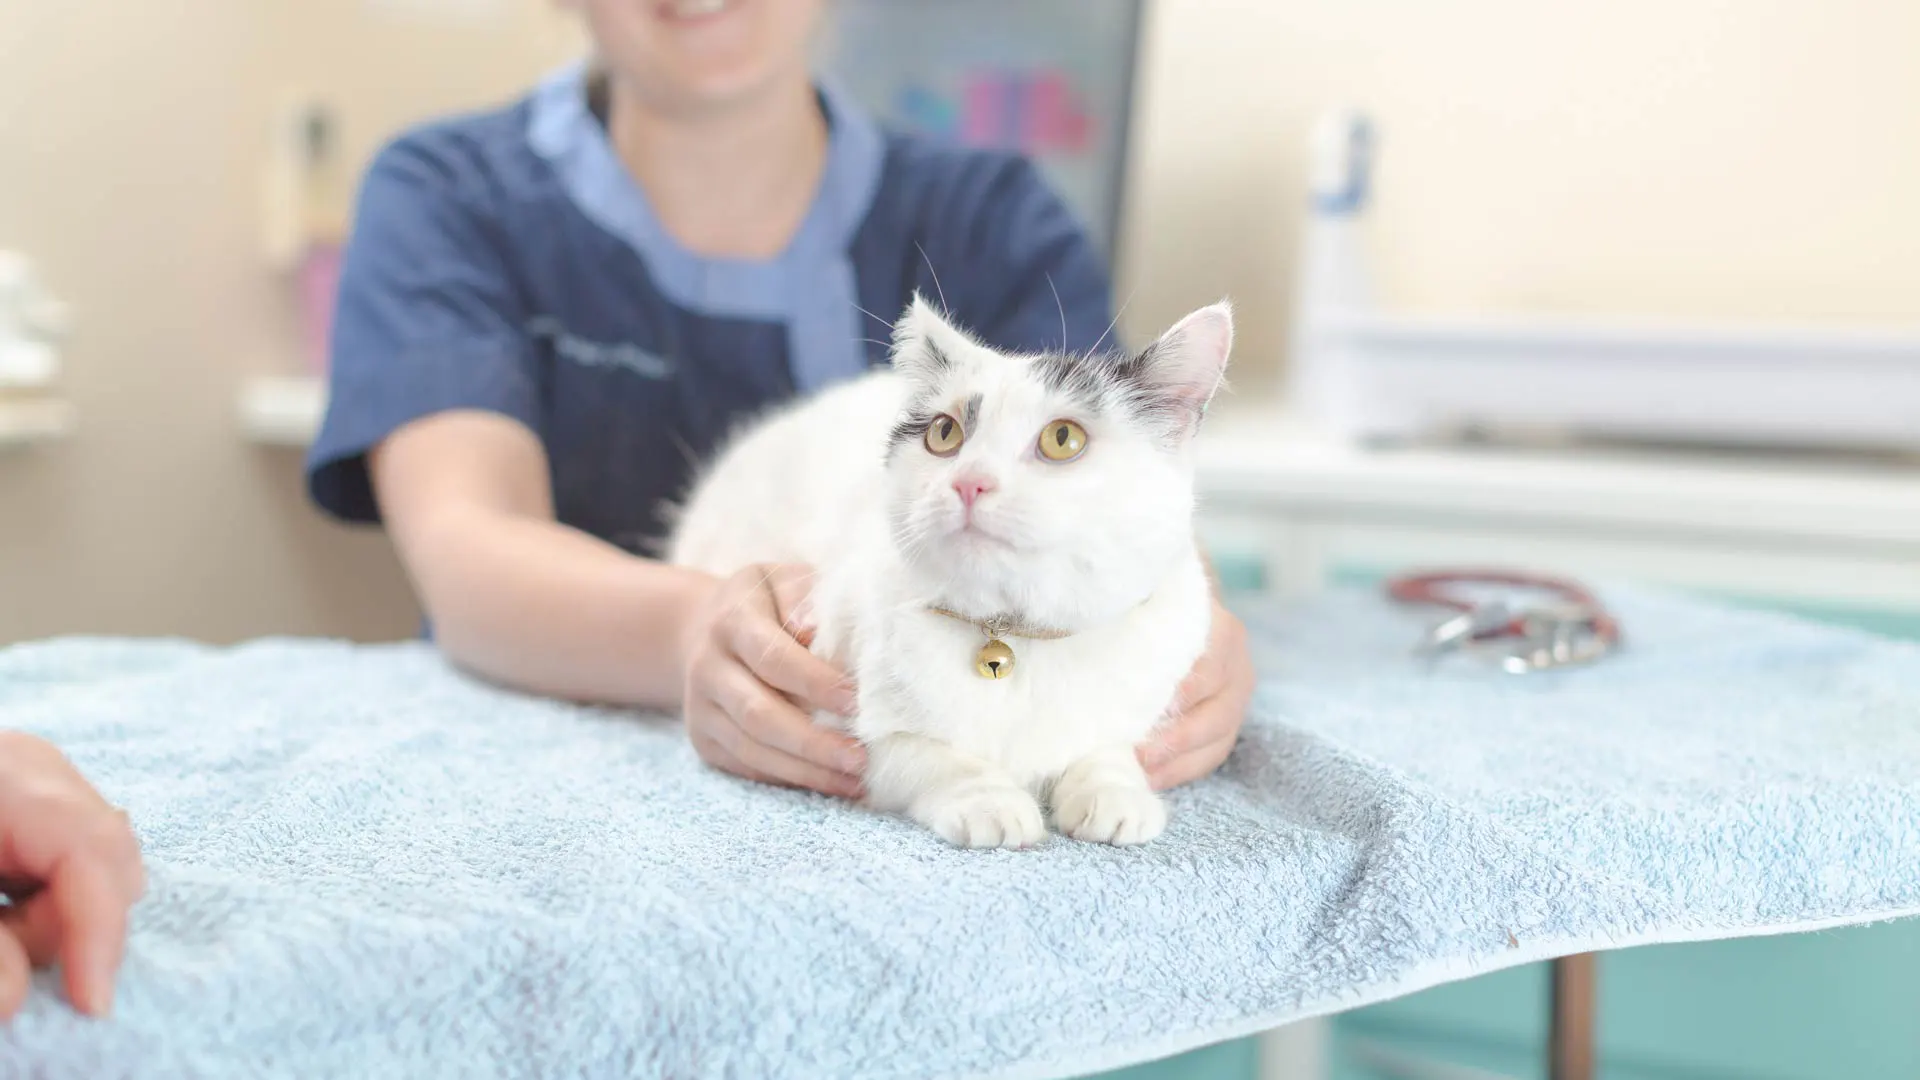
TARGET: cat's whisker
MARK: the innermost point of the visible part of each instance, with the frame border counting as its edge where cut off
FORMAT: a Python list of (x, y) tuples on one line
[(871, 315), (1115, 322), (936, 276), (766, 579), (1062, 309), (911, 536)]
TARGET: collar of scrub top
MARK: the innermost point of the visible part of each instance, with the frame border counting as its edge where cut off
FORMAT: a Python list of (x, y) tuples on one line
[(810, 286)]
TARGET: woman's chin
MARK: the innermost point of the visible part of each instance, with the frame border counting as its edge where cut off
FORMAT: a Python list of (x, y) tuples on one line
[(703, 54), (720, 53), (718, 82)]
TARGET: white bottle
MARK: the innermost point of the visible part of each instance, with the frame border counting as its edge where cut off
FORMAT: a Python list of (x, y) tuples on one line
[(1335, 286), (30, 320)]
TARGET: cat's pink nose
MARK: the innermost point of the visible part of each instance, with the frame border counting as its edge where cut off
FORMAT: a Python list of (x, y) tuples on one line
[(971, 486)]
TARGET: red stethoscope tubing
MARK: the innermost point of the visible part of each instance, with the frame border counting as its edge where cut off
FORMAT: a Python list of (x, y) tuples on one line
[(1429, 587)]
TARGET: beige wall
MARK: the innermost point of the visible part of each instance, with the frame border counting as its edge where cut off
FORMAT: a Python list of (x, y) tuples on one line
[(1726, 158), (1740, 159), (130, 151)]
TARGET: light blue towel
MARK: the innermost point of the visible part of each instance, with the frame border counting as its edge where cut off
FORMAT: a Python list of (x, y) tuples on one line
[(365, 865)]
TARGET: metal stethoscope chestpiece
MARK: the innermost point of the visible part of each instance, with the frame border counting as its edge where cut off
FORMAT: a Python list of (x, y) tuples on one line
[(1571, 630)]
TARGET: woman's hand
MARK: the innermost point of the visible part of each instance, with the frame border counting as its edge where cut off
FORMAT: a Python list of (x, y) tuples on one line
[(1211, 706), (71, 867), (752, 686)]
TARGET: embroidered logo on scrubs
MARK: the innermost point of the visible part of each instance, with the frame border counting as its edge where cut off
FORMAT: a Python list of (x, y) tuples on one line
[(618, 354)]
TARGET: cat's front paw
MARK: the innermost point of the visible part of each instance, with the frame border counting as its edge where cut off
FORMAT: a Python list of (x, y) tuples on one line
[(984, 816), (1108, 813)]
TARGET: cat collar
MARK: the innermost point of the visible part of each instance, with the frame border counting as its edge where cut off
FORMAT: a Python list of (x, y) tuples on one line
[(995, 658)]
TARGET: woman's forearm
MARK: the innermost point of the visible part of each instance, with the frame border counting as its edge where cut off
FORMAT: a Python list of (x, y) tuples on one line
[(515, 596), (540, 606)]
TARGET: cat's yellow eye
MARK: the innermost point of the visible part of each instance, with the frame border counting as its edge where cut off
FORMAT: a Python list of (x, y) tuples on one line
[(944, 436), (1063, 440)]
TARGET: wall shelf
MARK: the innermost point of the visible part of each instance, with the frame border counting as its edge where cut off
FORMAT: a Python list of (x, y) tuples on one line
[(282, 410), (27, 421)]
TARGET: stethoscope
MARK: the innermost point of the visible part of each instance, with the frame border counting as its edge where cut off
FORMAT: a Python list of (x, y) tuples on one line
[(1572, 629)]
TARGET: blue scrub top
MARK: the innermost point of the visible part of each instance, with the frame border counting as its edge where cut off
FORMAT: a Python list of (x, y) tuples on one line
[(506, 261)]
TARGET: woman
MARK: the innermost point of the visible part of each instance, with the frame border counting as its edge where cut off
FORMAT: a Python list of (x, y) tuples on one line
[(550, 312)]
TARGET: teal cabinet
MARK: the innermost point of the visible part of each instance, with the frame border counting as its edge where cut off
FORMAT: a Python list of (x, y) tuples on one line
[(1835, 1005), (1237, 1060)]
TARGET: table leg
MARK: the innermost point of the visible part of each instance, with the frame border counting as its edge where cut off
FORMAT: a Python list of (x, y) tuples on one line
[(1570, 1053)]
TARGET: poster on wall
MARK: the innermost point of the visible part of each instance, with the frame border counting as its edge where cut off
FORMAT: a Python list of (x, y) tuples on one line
[(1052, 79)]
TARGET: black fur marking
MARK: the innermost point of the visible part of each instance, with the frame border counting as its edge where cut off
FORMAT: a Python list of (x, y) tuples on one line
[(1150, 399), (1089, 380), (1107, 382), (937, 361), (970, 415), (911, 429)]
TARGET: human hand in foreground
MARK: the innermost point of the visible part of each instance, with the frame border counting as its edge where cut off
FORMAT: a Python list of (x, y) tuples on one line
[(70, 867)]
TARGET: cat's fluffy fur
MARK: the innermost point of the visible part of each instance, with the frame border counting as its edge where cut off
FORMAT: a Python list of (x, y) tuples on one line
[(1101, 546)]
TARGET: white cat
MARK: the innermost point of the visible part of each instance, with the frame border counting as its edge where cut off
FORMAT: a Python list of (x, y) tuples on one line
[(964, 486)]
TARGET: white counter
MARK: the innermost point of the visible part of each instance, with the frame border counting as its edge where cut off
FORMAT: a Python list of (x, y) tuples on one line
[(1830, 531)]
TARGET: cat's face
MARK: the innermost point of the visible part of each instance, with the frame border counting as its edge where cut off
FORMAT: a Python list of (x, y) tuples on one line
[(1052, 487)]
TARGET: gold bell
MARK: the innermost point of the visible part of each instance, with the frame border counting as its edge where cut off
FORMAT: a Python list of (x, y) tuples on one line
[(995, 660)]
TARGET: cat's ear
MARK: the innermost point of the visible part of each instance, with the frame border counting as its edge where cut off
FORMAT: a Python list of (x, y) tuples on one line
[(925, 344), (1182, 371)]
